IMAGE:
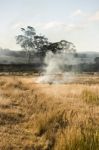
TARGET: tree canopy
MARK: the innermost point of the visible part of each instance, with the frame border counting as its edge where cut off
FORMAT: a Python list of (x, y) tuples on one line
[(30, 41)]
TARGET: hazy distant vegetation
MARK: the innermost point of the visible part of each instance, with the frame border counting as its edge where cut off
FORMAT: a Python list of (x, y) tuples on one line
[(88, 61), (34, 49)]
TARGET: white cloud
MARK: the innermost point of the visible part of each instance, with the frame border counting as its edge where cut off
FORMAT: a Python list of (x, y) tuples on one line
[(17, 25), (78, 12), (53, 25), (60, 25), (94, 17), (43, 25)]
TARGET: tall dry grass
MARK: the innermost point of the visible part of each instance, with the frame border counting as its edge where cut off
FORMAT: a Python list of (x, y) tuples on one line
[(48, 117)]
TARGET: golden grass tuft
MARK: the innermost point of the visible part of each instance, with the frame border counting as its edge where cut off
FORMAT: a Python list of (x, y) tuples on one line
[(90, 96)]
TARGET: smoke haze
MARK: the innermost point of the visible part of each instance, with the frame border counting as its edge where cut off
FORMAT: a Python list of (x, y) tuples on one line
[(55, 70)]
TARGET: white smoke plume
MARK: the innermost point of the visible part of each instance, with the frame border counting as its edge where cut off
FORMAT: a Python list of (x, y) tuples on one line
[(55, 70)]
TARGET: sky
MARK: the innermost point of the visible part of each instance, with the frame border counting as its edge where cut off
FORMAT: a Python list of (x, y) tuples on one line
[(76, 21)]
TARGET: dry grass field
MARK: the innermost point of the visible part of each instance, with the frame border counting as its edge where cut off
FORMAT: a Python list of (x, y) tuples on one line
[(49, 116)]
